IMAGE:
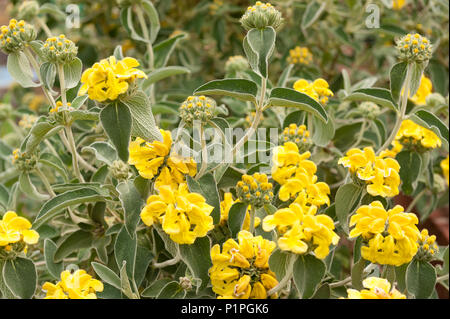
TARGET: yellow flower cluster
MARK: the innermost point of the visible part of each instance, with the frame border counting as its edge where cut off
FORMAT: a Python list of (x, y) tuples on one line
[(427, 246), (58, 106), (296, 175), (109, 78), (444, 167), (156, 161), (411, 134), (78, 285), (377, 288), (300, 55), (425, 89), (197, 108), (255, 190), (391, 236), (298, 135), (241, 270), (381, 174), (318, 89), (225, 206), (184, 216), (15, 229), (27, 121), (302, 230)]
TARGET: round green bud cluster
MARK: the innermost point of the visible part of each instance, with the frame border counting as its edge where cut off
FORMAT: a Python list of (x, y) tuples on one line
[(28, 10), (14, 36), (298, 135), (59, 50), (255, 190), (414, 48), (120, 170), (185, 283), (24, 162), (5, 112), (428, 248), (435, 99), (261, 15), (235, 64), (197, 108), (369, 110)]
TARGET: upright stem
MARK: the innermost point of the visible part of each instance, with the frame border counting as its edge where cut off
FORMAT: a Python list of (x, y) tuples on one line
[(252, 219), (415, 200), (73, 150), (204, 153), (401, 117), (256, 120), (62, 83), (44, 27)]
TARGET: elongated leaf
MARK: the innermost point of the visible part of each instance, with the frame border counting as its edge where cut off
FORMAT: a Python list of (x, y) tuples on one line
[(72, 73), (312, 13), (117, 122), (162, 73), (152, 15), (236, 218), (172, 290), (346, 197), (19, 68), (164, 49), (37, 134), (416, 77), (55, 163), (131, 202), (207, 187), (398, 75), (432, 122), (259, 46), (57, 204), (410, 163), (155, 288), (53, 267), (143, 121), (103, 152), (323, 132), (197, 258), (420, 279), (79, 101), (308, 273), (74, 242), (241, 89), (379, 96), (125, 250), (27, 187), (106, 274), (358, 274), (292, 98), (48, 74), (20, 277)]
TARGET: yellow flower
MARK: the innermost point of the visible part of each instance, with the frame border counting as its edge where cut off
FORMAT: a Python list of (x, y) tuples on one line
[(78, 285), (302, 230), (377, 288), (296, 175), (380, 174), (255, 190), (156, 161), (444, 167), (184, 216), (425, 89), (391, 235), (413, 135), (225, 206), (14, 229), (300, 55), (398, 4), (109, 78), (241, 270), (427, 246), (318, 89)]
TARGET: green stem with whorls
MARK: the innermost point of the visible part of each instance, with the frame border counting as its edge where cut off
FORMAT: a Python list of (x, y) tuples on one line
[(401, 117)]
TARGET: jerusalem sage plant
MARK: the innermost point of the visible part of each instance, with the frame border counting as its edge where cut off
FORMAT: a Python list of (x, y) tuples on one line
[(102, 196)]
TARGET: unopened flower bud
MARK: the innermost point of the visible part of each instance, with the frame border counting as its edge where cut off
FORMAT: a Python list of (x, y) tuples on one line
[(59, 50), (369, 110), (197, 108), (119, 170), (414, 48), (185, 283), (15, 35), (236, 64)]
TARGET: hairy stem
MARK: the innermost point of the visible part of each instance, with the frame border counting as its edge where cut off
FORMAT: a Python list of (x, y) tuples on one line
[(287, 277), (252, 219), (45, 181), (73, 150), (204, 153)]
